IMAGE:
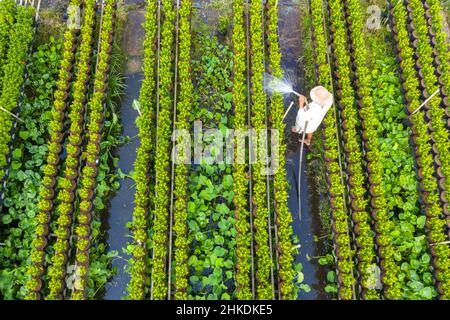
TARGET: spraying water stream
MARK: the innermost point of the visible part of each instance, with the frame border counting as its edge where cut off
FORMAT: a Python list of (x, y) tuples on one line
[(283, 86)]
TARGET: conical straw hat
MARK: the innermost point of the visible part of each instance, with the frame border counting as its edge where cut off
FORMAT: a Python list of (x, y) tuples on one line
[(321, 96)]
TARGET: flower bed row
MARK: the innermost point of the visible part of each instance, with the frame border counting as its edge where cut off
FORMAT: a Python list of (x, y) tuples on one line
[(89, 171), (436, 112), (242, 215), (13, 76), (352, 149), (424, 158), (211, 218), (283, 215), (140, 250), (184, 106), (51, 169), (162, 155), (7, 13), (383, 224), (67, 184), (399, 176), (441, 51), (261, 209)]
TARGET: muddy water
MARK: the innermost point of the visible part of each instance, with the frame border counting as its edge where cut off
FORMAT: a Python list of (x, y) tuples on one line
[(121, 210), (309, 224)]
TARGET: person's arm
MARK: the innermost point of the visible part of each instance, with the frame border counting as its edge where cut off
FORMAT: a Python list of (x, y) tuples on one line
[(326, 108), (301, 101), (320, 113)]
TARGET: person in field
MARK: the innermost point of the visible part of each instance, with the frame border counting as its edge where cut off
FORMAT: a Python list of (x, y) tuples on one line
[(310, 115)]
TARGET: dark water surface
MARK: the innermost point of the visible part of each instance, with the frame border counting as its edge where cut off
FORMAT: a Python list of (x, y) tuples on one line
[(121, 210), (122, 203), (309, 225)]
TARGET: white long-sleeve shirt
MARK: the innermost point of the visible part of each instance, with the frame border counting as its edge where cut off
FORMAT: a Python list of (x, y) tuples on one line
[(312, 113)]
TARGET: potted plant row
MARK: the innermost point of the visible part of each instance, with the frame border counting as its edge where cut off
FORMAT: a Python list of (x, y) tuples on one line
[(162, 154), (67, 183), (242, 215), (352, 148), (138, 265), (436, 114), (421, 139), (89, 171), (183, 107), (371, 145), (441, 48)]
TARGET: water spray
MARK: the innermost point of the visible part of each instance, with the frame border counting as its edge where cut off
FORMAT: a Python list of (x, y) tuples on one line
[(282, 86)]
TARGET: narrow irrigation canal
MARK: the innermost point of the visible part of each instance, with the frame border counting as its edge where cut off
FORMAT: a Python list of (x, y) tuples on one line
[(122, 204), (306, 219)]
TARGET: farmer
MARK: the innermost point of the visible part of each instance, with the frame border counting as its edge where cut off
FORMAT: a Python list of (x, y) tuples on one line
[(310, 116)]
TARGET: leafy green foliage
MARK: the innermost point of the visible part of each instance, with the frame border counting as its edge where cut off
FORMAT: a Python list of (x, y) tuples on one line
[(13, 76), (352, 146), (211, 233), (434, 222), (211, 219), (20, 211), (399, 177)]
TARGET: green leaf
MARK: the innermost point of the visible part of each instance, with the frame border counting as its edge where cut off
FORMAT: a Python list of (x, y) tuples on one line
[(427, 293), (305, 287), (6, 219), (331, 288), (192, 261), (228, 180), (219, 251), (225, 296), (191, 207), (421, 222), (331, 276), (24, 135), (298, 267), (16, 165), (300, 277), (17, 153)]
